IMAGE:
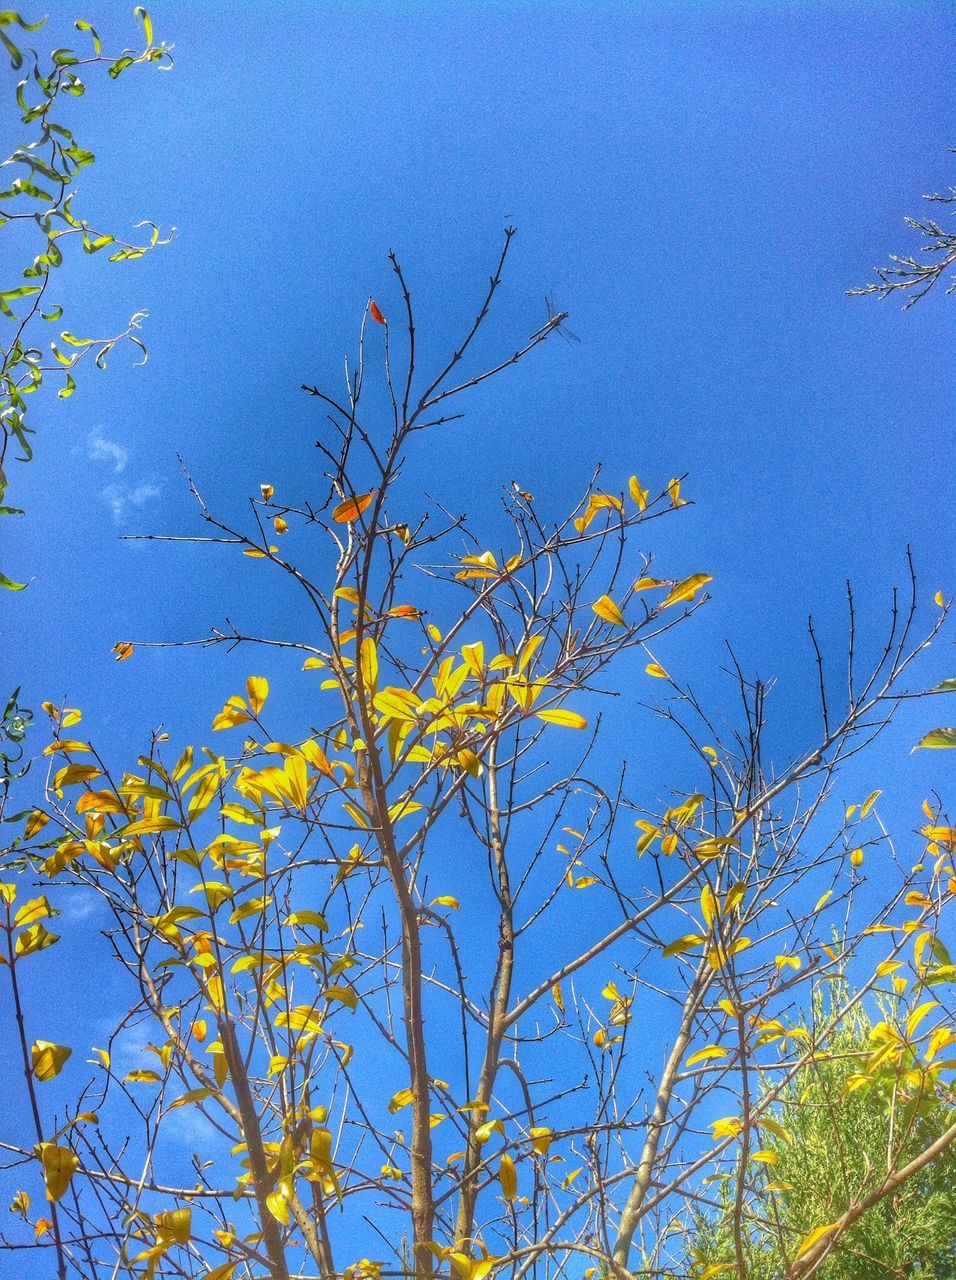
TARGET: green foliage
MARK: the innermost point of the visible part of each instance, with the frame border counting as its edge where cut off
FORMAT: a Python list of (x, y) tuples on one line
[(39, 201), (840, 1140)]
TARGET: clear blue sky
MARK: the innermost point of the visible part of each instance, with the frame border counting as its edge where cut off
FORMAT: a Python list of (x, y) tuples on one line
[(697, 183)]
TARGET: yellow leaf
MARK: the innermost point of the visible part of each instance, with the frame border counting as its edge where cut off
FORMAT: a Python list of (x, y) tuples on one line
[(59, 1166), (686, 590), (869, 802), (368, 666), (279, 1207), (34, 910), (257, 690), (350, 510), (708, 905), (705, 1055), (528, 652), (233, 713), (673, 489), (638, 494), (446, 900), (280, 525), (856, 858), (48, 1058), (557, 996), (123, 650), (607, 610), (728, 1127), (814, 1237), (917, 1016), (174, 1225), (35, 822), (540, 1139), (567, 719), (267, 490), (508, 1178), (655, 669), (203, 798), (36, 938)]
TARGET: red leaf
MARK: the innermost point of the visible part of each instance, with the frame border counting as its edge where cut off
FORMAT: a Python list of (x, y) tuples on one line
[(374, 311)]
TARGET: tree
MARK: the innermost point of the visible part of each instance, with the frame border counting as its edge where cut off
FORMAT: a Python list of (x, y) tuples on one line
[(355, 944), (41, 200), (912, 278), (849, 1119)]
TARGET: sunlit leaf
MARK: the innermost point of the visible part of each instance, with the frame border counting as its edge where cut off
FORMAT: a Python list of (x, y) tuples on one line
[(350, 510)]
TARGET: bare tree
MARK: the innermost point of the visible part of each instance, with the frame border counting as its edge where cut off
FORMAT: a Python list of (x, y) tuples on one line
[(912, 278)]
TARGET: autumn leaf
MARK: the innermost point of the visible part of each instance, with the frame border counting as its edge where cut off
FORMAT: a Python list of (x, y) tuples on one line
[(257, 690), (374, 311), (686, 590), (349, 511), (568, 719), (607, 610), (508, 1178), (123, 650), (59, 1166), (48, 1058)]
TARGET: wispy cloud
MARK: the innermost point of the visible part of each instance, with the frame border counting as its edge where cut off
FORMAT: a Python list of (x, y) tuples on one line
[(123, 498), (101, 448)]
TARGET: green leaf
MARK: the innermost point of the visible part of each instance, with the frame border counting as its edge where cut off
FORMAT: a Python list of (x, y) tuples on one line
[(938, 739), (948, 686), (82, 25), (141, 13), (9, 585)]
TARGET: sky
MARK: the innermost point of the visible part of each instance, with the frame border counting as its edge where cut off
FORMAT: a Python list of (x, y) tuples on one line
[(698, 184)]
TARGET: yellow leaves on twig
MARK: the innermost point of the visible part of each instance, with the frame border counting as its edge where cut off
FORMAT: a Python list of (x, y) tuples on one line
[(123, 650), (485, 566), (598, 502)]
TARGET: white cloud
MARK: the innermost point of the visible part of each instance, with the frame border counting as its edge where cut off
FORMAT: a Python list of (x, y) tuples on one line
[(122, 498), (101, 449)]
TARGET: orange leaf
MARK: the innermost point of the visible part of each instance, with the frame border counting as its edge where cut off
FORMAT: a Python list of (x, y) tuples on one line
[(374, 311), (350, 510), (123, 650)]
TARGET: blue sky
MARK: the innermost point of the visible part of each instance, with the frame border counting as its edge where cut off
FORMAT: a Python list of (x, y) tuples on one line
[(697, 183)]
